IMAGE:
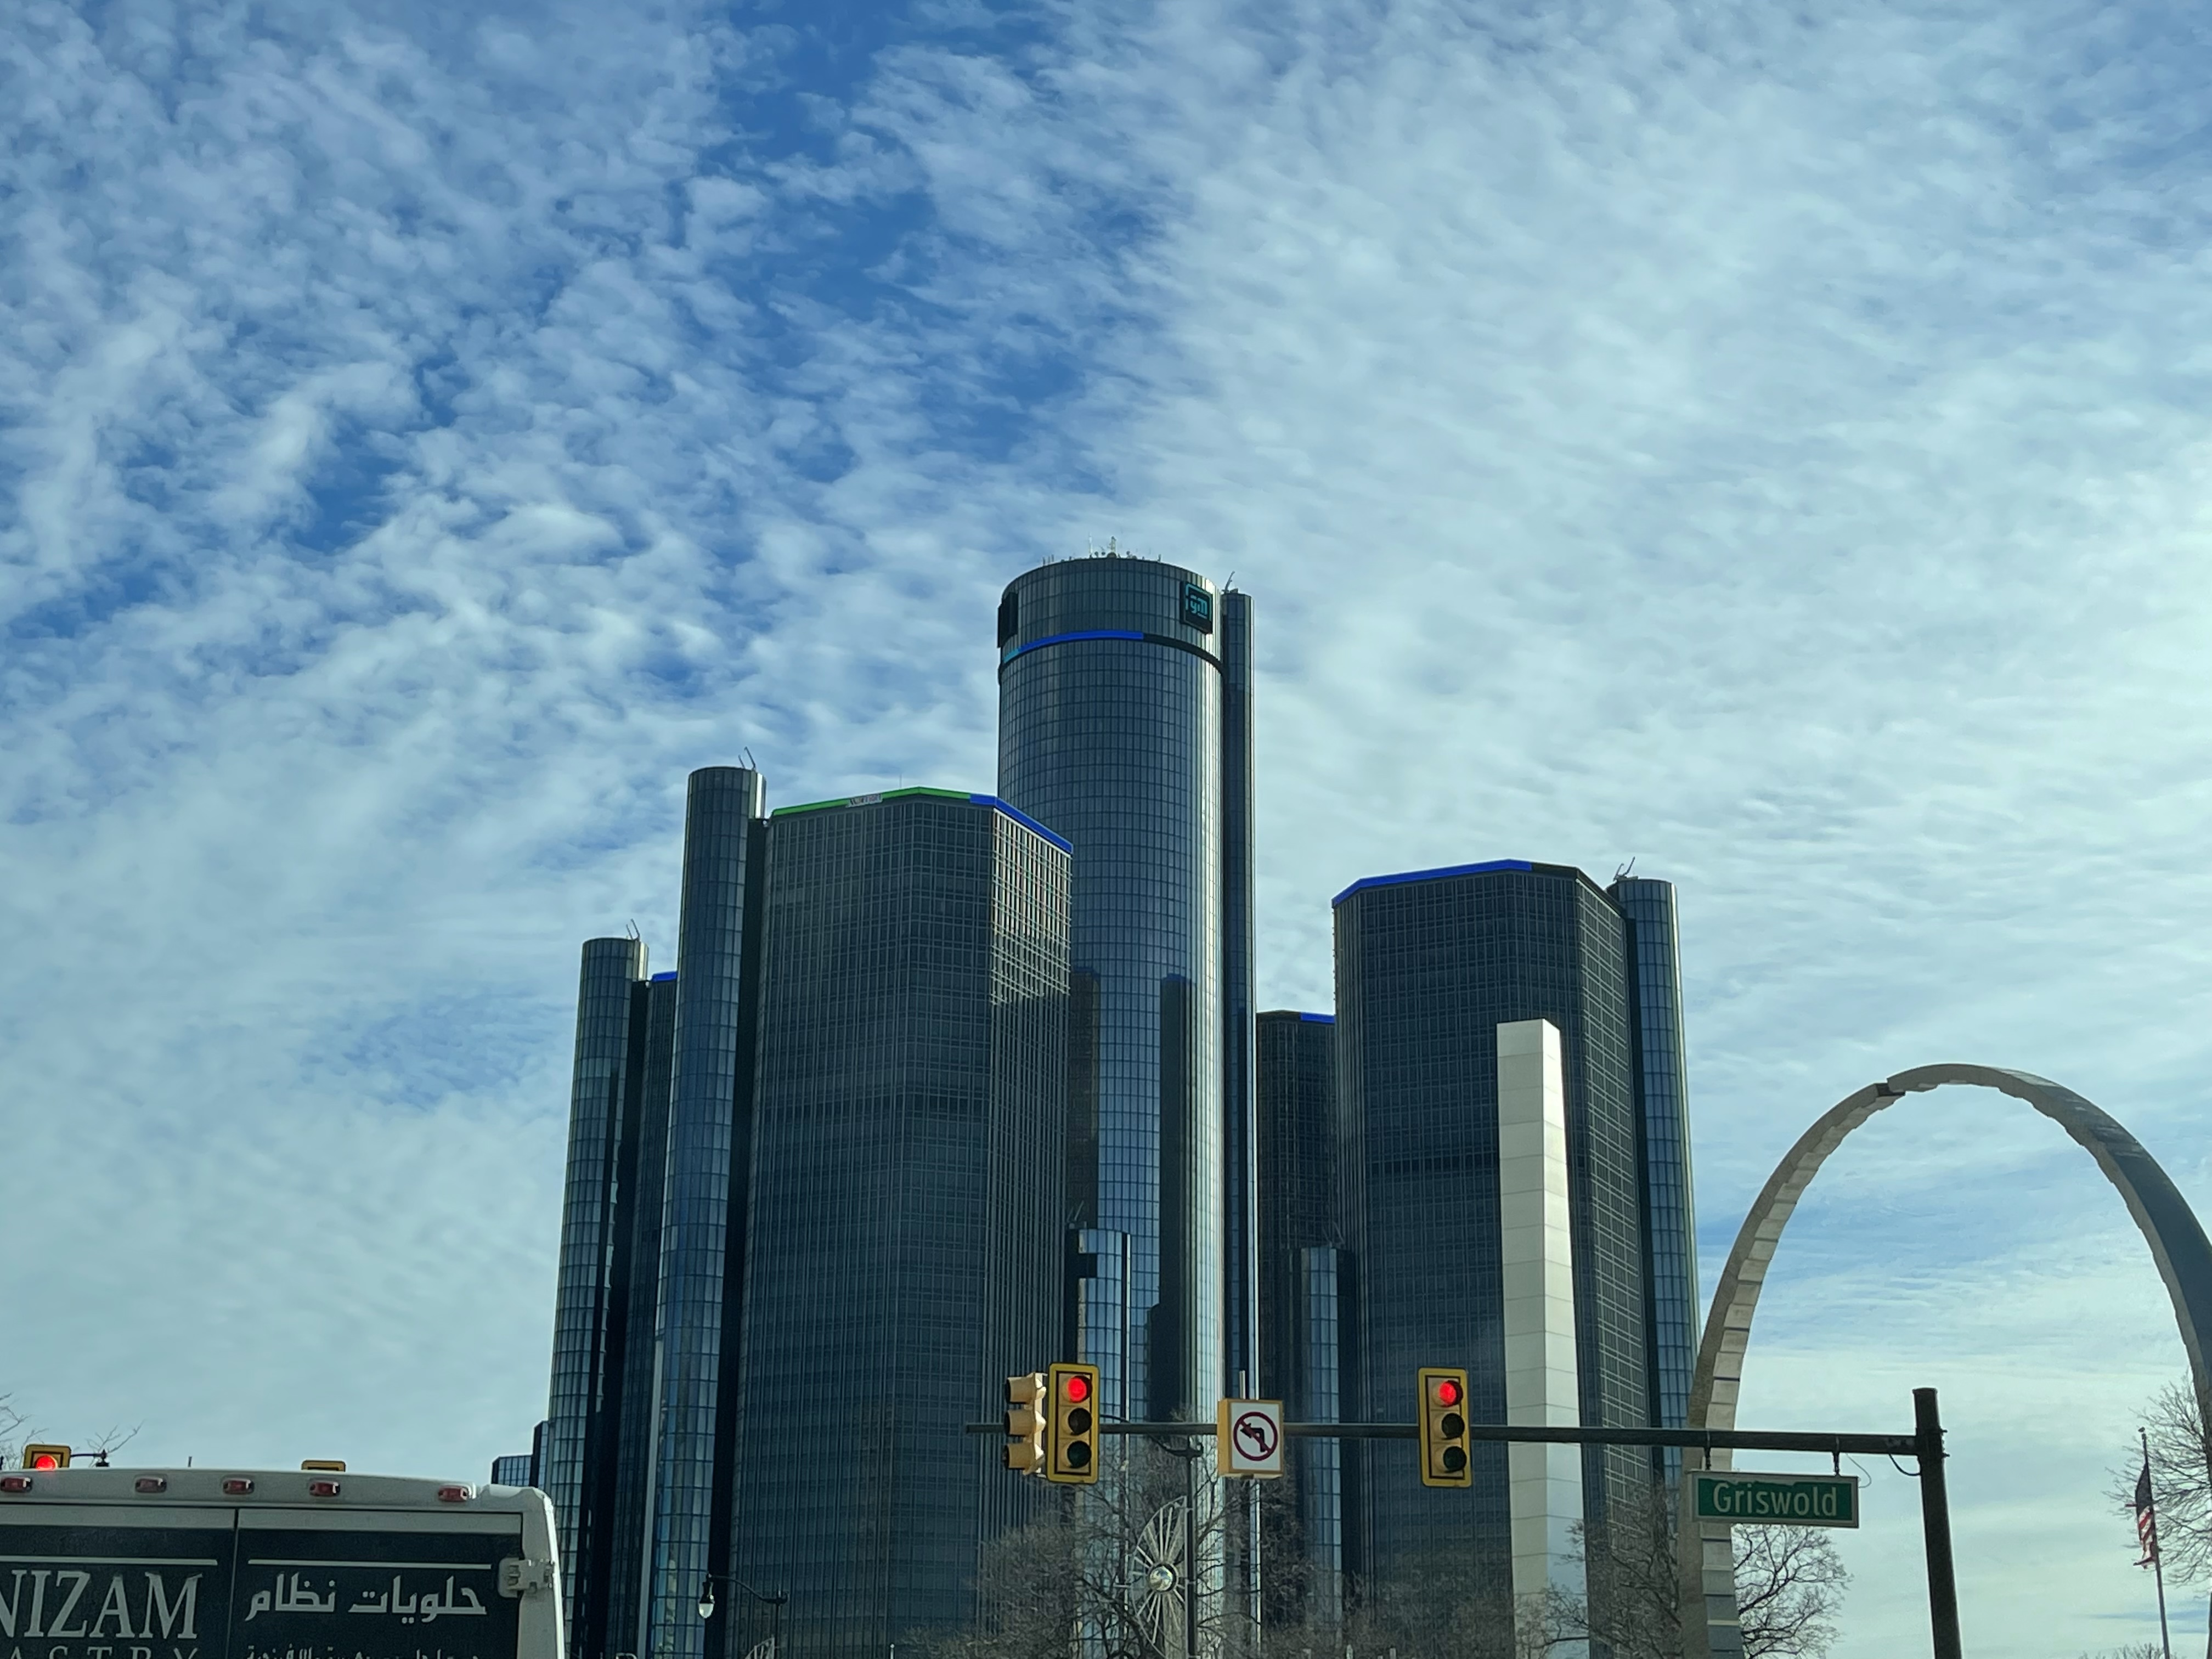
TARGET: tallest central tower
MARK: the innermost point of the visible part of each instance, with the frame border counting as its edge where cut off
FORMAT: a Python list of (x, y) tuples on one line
[(1124, 725)]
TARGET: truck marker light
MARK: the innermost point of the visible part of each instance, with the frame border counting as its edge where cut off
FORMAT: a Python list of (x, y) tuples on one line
[(150, 1483), (322, 1489), (455, 1494), (236, 1485), (14, 1483)]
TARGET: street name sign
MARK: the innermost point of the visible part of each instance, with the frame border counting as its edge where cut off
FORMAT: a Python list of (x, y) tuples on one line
[(1776, 1500), (1248, 1439)]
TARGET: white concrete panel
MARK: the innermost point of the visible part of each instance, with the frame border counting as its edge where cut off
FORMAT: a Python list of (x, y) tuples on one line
[(1544, 1483)]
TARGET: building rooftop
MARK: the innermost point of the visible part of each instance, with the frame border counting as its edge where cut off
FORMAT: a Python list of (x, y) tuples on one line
[(1403, 877), (880, 796)]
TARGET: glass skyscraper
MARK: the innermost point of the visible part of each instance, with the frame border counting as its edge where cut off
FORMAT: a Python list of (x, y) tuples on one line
[(641, 1451), (606, 1000), (905, 1224), (1428, 965), (620, 1462), (1127, 727), (1304, 1276), (1299, 1204), (1670, 1222), (590, 1456), (522, 1468), (1124, 723), (703, 1199)]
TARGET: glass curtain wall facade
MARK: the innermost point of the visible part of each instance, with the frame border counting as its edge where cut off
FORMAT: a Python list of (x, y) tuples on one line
[(1428, 965), (907, 1212), (613, 968), (1111, 731), (512, 1470), (594, 1457), (1240, 1168), (703, 1197), (619, 1479), (1670, 1223), (1297, 1155), (1300, 1268), (1325, 1284), (1239, 1106)]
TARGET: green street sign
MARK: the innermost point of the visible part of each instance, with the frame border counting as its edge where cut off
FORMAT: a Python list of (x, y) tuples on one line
[(1776, 1500)]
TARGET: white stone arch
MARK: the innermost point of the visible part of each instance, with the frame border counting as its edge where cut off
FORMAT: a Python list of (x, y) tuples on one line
[(2169, 1226)]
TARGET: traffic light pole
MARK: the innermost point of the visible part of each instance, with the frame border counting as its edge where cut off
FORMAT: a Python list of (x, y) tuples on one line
[(1925, 1444), (1190, 1454)]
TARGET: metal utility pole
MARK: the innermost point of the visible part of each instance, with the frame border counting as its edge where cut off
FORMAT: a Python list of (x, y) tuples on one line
[(1935, 1524), (1190, 1452), (2157, 1555)]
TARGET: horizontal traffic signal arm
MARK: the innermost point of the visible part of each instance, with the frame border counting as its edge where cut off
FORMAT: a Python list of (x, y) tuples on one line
[(1876, 1445)]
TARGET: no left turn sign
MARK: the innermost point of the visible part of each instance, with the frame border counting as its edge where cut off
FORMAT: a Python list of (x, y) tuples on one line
[(1249, 1438)]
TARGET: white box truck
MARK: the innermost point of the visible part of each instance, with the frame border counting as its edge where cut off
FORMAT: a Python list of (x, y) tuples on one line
[(255, 1563)]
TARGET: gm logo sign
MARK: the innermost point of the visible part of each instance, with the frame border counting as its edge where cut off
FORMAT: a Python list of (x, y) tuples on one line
[(1197, 608)]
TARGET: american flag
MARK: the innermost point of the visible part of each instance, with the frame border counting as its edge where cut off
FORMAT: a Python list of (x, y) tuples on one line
[(2146, 1518)]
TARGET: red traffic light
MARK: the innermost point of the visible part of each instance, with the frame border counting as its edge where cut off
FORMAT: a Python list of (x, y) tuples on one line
[(46, 1460), (1447, 1391), (1076, 1386)]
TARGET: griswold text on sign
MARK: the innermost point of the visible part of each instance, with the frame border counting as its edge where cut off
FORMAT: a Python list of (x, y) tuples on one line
[(1778, 1500)]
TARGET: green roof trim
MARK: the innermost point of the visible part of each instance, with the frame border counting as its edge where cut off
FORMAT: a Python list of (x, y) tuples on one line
[(870, 800)]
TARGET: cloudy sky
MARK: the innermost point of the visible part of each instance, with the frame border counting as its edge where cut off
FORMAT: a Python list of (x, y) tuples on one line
[(1771, 443)]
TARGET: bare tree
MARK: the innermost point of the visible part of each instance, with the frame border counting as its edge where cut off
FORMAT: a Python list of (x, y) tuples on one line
[(2181, 1482), (1433, 1605), (17, 1431), (1788, 1586), (1114, 1562), (1095, 1567)]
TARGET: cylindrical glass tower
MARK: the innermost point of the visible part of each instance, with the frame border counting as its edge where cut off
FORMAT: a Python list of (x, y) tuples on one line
[(611, 968), (703, 1197), (1110, 733)]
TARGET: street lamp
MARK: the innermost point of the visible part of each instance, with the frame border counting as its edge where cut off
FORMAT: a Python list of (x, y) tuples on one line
[(774, 1603)]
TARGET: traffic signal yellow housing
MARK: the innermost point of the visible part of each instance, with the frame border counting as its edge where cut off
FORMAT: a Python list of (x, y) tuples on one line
[(1444, 1461), (1071, 1437), (46, 1457), (1026, 1424)]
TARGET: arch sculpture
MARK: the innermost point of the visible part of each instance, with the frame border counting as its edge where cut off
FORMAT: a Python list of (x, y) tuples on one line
[(2170, 1227)]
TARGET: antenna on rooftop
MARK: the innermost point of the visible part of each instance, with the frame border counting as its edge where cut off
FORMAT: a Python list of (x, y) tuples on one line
[(751, 765), (634, 934), (1621, 874)]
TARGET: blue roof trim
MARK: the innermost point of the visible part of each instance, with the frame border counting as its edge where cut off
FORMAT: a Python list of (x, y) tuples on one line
[(663, 979), (1023, 819), (1014, 650), (1363, 884), (1318, 1019)]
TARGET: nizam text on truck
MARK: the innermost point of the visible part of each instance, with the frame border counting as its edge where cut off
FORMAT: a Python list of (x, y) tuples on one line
[(219, 1564)]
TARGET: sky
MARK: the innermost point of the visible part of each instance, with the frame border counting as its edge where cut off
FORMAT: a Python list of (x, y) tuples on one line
[(1771, 443)]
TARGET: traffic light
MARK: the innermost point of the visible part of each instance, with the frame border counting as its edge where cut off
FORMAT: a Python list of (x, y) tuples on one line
[(46, 1457), (1025, 1423), (1071, 1439), (1443, 1428)]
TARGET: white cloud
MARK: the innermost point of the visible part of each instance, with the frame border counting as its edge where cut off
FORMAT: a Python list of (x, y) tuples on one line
[(1772, 446)]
